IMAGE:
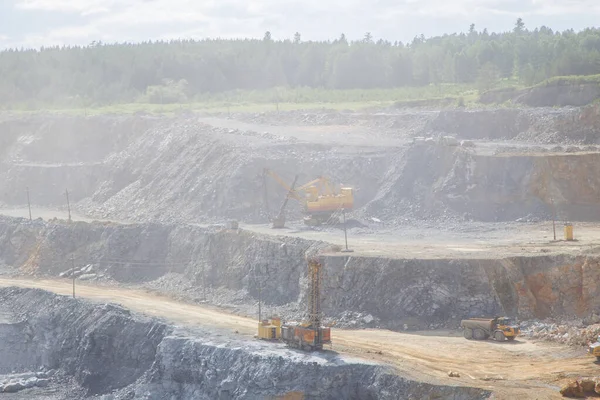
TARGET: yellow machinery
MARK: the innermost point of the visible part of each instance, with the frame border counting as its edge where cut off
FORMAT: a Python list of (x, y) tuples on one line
[(319, 199), (310, 335), (569, 232), (270, 329), (499, 328), (594, 349)]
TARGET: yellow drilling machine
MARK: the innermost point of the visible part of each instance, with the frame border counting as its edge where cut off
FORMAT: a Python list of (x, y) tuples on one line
[(269, 329), (309, 335)]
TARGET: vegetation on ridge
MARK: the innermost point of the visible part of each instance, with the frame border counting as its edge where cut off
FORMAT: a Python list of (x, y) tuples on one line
[(293, 71)]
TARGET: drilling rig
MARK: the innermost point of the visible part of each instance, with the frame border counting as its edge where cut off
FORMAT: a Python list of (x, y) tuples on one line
[(310, 335)]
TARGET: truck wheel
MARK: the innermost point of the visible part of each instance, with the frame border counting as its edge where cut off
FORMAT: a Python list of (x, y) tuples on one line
[(597, 359), (510, 338), (499, 336), (468, 333), (478, 334)]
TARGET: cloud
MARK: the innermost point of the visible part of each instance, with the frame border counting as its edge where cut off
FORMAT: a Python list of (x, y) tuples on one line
[(138, 20), (85, 7), (562, 7)]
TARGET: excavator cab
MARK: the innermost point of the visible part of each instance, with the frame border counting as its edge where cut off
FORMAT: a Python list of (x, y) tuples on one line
[(312, 193)]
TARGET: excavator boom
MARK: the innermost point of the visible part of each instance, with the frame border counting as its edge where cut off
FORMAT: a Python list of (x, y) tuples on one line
[(291, 192)]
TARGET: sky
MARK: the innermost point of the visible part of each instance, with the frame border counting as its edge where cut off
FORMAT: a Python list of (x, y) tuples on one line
[(37, 23)]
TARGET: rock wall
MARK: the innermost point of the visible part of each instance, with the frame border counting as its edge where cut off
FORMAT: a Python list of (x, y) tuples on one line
[(192, 369), (554, 286), (15, 347), (103, 347), (552, 94), (418, 293), (49, 154), (116, 354), (180, 169), (481, 124), (432, 181), (395, 292)]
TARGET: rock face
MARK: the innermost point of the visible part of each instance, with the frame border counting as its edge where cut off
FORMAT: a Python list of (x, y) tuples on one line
[(550, 94), (116, 354), (434, 181), (392, 292), (99, 345), (417, 292), (17, 354), (181, 169), (190, 369)]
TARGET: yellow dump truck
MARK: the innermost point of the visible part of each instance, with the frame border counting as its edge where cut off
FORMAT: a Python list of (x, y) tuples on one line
[(499, 328), (594, 349)]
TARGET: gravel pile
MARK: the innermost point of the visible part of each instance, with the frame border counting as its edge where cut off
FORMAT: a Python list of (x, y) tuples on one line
[(575, 333)]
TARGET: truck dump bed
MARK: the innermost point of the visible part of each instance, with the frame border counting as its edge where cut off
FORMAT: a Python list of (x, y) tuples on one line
[(481, 323)]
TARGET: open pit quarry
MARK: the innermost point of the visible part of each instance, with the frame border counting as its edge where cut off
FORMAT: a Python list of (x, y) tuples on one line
[(452, 219)]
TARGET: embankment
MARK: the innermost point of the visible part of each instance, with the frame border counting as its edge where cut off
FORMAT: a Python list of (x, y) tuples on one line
[(114, 353), (432, 181), (418, 293), (182, 170)]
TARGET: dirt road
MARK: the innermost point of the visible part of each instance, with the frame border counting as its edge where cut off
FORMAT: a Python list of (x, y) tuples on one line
[(521, 368)]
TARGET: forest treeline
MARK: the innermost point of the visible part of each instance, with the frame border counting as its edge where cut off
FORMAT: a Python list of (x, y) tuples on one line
[(182, 70)]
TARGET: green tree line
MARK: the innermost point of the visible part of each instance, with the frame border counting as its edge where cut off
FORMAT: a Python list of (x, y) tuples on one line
[(182, 70)]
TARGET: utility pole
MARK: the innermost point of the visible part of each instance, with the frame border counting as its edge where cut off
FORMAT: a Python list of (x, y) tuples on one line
[(347, 250), (553, 218), (204, 279), (68, 203), (29, 204), (259, 301), (73, 274)]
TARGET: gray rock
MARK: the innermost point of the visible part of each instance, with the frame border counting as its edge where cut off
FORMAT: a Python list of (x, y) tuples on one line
[(13, 387)]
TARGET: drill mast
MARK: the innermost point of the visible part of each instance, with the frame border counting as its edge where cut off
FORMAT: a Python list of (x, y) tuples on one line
[(314, 299)]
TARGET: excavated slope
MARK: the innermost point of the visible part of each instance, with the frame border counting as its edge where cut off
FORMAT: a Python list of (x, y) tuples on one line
[(115, 354), (430, 181), (181, 169), (395, 292)]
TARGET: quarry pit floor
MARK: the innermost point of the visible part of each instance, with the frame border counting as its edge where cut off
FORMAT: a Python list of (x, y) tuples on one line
[(472, 240), (522, 368)]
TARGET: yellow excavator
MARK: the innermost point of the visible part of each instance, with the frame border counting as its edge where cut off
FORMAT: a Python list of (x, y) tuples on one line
[(319, 200)]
